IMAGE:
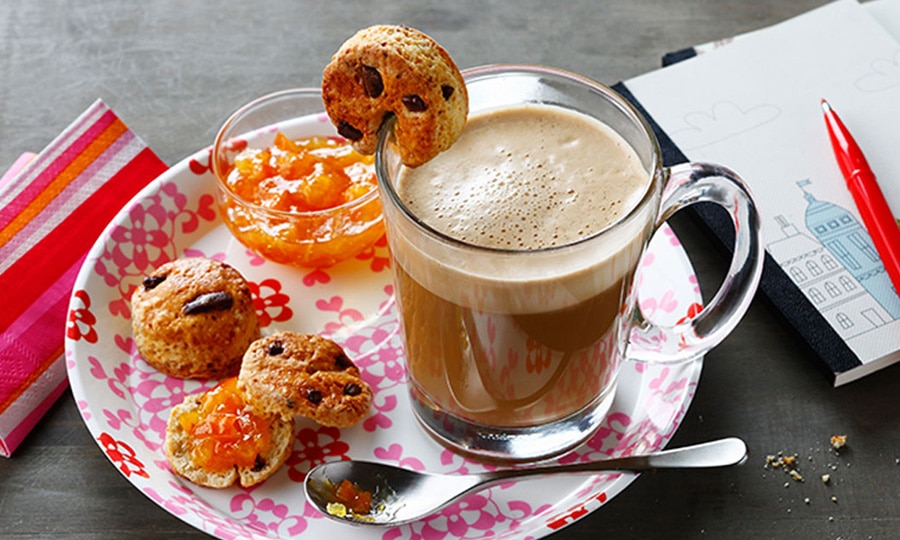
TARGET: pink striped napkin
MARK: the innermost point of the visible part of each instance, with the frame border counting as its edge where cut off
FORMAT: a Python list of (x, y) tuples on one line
[(51, 213), (15, 168)]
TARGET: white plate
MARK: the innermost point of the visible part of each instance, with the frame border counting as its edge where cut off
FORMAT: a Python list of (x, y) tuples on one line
[(125, 403)]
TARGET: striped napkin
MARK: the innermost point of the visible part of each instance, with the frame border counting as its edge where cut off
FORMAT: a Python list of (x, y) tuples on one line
[(51, 213)]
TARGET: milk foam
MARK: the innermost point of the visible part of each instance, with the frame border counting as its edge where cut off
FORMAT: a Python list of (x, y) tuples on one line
[(527, 177), (524, 178)]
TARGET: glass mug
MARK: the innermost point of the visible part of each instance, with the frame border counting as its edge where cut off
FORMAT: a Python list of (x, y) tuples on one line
[(465, 309)]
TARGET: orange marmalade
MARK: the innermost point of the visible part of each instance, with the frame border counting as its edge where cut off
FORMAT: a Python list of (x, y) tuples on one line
[(309, 200), (225, 432), (353, 498)]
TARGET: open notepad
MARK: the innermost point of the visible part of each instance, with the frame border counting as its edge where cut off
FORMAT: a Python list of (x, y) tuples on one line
[(753, 104)]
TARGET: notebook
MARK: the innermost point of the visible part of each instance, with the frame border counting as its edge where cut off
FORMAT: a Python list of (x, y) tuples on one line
[(752, 103)]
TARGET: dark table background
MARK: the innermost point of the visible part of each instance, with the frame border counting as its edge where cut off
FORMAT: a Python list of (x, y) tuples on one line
[(173, 71)]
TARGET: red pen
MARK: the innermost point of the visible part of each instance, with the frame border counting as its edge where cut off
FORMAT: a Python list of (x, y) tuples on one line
[(874, 209)]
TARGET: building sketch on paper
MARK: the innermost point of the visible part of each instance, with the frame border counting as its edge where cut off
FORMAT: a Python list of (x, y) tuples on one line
[(834, 262)]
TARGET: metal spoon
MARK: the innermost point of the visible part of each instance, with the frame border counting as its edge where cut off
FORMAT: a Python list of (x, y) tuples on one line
[(402, 495)]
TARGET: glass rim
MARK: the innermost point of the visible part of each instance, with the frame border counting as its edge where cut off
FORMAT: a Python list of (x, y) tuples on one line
[(387, 188)]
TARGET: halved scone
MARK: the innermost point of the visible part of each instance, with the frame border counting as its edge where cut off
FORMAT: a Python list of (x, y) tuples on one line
[(215, 439), (288, 374)]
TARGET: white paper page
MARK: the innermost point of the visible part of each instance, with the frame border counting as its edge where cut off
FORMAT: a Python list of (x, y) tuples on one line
[(887, 14), (754, 106)]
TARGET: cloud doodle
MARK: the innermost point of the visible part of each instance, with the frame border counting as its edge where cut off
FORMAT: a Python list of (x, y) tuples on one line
[(884, 74), (725, 120)]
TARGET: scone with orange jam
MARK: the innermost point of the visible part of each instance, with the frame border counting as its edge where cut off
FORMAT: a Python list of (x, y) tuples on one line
[(288, 374), (215, 439)]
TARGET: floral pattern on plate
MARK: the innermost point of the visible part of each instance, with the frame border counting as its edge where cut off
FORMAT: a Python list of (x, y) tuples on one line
[(125, 403)]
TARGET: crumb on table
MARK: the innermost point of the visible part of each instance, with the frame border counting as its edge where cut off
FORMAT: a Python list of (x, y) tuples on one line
[(838, 441)]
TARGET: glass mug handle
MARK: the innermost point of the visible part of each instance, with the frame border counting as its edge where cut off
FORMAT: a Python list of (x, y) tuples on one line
[(688, 184)]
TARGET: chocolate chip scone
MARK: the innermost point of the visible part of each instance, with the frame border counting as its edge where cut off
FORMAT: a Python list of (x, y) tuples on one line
[(194, 318), (288, 374), (397, 70)]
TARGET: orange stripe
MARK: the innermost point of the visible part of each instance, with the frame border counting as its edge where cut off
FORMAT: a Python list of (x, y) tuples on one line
[(87, 156), (32, 376)]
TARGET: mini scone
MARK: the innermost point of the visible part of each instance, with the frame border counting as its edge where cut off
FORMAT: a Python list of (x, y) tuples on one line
[(194, 318), (200, 449), (288, 374), (397, 70)]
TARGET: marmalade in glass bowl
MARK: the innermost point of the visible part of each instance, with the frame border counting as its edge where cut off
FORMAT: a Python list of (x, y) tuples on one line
[(305, 197)]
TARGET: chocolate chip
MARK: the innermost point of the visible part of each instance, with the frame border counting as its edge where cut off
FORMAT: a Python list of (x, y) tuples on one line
[(314, 396), (348, 131), (150, 282), (352, 389), (447, 91), (290, 404), (276, 348), (342, 362), (413, 103), (259, 464), (204, 303), (371, 81)]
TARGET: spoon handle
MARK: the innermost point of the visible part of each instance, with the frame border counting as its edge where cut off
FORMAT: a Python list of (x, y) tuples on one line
[(719, 453)]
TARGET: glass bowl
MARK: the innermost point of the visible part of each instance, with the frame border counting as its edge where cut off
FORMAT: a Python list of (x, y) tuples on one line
[(304, 238)]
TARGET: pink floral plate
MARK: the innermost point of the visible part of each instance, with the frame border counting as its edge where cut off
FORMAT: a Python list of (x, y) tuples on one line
[(125, 403)]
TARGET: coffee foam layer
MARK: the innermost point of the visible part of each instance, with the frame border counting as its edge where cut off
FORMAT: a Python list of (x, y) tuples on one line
[(525, 178), (505, 283)]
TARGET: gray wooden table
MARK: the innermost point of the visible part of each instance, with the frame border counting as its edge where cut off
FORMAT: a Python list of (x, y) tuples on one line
[(174, 70)]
